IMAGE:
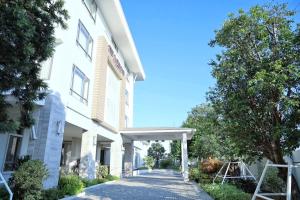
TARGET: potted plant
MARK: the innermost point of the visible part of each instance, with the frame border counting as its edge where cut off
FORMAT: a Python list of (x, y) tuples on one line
[(149, 163)]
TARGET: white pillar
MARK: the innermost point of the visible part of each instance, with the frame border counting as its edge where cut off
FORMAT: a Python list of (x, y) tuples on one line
[(88, 155), (184, 158), (128, 158), (116, 158)]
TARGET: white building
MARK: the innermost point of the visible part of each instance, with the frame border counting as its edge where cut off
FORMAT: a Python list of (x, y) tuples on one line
[(86, 118), (91, 79)]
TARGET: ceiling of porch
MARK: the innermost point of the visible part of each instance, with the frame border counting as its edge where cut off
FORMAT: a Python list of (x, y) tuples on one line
[(157, 133)]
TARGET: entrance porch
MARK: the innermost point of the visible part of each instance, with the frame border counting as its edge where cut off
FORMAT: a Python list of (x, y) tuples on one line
[(145, 134)]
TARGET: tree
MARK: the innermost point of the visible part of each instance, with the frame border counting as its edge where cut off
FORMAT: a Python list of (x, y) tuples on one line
[(176, 149), (209, 139), (258, 82), (26, 40), (156, 151)]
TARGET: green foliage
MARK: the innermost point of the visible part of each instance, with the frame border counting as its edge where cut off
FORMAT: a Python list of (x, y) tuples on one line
[(195, 174), (166, 163), (208, 140), (27, 181), (27, 39), (112, 178), (52, 194), (70, 185), (156, 151), (258, 80), (176, 149), (272, 182), (102, 171), (149, 162), (225, 192), (4, 195)]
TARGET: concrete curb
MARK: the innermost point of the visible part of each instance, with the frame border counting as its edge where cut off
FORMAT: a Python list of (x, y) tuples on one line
[(88, 188)]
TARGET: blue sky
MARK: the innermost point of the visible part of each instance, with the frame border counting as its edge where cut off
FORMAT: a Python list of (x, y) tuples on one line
[(172, 40)]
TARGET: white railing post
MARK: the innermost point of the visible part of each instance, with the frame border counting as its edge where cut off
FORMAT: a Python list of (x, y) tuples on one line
[(2, 180)]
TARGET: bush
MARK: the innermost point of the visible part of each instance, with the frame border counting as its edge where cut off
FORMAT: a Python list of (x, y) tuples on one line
[(52, 194), (70, 185), (195, 174), (247, 185), (112, 178), (4, 195), (149, 162), (27, 181), (87, 182), (210, 165), (102, 171), (272, 182), (165, 164), (225, 192)]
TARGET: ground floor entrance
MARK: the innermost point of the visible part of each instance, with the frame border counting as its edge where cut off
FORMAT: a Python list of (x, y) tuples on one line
[(159, 185)]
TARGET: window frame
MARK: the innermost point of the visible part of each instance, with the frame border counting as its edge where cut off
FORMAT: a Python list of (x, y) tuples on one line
[(93, 17), (84, 79), (90, 39), (6, 149)]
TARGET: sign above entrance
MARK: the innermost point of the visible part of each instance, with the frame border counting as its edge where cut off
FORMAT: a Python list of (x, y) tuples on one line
[(116, 60)]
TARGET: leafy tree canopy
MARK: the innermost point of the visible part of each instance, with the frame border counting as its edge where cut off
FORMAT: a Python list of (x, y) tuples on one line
[(26, 39), (156, 151), (258, 82)]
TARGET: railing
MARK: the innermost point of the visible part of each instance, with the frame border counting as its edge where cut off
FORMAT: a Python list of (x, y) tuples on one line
[(3, 181)]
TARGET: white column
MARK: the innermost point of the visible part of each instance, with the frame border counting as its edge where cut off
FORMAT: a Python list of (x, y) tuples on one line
[(184, 158), (88, 155), (128, 158)]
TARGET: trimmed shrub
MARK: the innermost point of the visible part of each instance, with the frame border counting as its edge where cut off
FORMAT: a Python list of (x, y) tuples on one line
[(27, 181), (88, 182), (195, 174), (102, 171), (210, 165), (70, 185), (52, 194), (112, 178), (165, 164), (225, 192)]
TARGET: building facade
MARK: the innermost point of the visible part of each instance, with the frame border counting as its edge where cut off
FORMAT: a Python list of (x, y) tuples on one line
[(91, 79)]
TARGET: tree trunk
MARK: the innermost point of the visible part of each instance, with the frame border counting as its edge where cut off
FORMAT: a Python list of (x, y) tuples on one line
[(295, 189)]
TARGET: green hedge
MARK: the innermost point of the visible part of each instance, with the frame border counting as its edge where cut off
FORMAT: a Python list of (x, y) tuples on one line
[(225, 192), (70, 185)]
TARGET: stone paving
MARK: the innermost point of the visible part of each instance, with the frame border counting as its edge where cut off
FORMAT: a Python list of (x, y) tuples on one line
[(158, 185)]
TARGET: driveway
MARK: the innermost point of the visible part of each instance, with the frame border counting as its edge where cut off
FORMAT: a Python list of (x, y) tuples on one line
[(158, 185)]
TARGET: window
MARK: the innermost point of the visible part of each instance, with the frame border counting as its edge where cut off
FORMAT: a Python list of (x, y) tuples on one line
[(92, 7), (12, 152), (84, 40), (126, 97), (80, 85)]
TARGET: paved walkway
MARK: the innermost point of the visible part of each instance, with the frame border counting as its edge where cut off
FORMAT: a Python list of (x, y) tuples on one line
[(158, 185)]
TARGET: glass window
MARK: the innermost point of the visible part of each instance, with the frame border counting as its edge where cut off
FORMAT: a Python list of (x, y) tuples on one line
[(12, 152), (126, 121), (80, 85), (92, 7), (84, 39)]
